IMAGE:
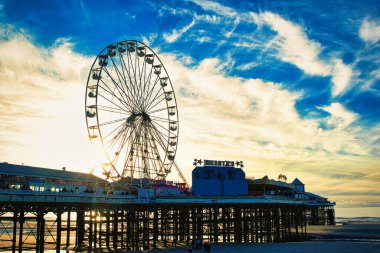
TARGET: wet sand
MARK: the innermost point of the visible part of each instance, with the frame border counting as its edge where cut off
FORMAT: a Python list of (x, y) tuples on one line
[(346, 231), (293, 247), (351, 237)]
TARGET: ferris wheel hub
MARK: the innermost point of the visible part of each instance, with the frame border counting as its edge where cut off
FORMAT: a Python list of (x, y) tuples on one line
[(135, 116)]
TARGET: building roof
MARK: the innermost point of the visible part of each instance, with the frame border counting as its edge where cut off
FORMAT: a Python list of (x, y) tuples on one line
[(313, 195), (297, 182), (29, 171), (266, 181)]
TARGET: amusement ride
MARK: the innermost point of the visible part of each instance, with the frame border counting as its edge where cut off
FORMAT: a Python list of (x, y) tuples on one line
[(131, 108)]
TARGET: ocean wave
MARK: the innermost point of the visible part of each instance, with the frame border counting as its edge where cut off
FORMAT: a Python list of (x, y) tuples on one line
[(357, 219)]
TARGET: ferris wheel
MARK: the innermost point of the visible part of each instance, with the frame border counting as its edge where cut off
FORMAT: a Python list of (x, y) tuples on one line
[(131, 108)]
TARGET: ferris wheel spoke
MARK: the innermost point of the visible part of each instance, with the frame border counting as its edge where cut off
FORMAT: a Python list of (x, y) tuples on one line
[(138, 80), (160, 140), (117, 133), (147, 82), (112, 109), (121, 145), (125, 69), (133, 82), (146, 88), (120, 76), (144, 159), (157, 139), (156, 103), (122, 99), (165, 120), (114, 140), (152, 158), (158, 110), (149, 94), (143, 77), (160, 92), (112, 102), (131, 155), (159, 133), (112, 121), (153, 145), (161, 127), (111, 92), (157, 124), (143, 90), (116, 130), (123, 142)]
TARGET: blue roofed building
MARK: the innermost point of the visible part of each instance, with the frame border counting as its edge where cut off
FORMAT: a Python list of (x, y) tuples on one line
[(299, 189), (219, 178)]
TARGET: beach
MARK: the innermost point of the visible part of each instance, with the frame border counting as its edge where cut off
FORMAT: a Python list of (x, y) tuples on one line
[(348, 237)]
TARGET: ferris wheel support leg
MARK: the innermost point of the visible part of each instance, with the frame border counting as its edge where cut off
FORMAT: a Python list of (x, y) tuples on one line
[(181, 174)]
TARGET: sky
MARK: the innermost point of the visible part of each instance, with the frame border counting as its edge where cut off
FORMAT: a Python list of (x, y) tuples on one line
[(288, 87)]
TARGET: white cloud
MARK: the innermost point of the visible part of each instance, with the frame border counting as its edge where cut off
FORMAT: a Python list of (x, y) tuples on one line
[(247, 66), (42, 103), (242, 114), (203, 39), (148, 40), (235, 24), (175, 34), (341, 77), (256, 121), (294, 45), (373, 76), (174, 11), (291, 44), (213, 19), (340, 116), (217, 8), (370, 31)]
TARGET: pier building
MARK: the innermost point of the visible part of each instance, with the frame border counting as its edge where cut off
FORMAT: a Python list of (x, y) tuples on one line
[(219, 179)]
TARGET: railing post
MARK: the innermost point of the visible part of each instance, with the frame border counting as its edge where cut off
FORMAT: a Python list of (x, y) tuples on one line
[(15, 219), (21, 220)]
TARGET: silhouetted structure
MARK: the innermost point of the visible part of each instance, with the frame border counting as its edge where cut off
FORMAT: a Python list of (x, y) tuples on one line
[(126, 220)]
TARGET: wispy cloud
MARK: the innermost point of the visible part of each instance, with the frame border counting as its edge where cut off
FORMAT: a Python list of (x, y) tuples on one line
[(291, 43), (175, 34), (217, 8), (149, 39), (294, 45), (163, 10), (235, 24)]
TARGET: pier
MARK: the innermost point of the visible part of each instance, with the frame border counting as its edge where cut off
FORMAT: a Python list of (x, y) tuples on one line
[(88, 221)]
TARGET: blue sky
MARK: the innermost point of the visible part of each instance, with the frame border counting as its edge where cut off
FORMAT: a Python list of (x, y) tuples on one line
[(289, 87), (227, 33)]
